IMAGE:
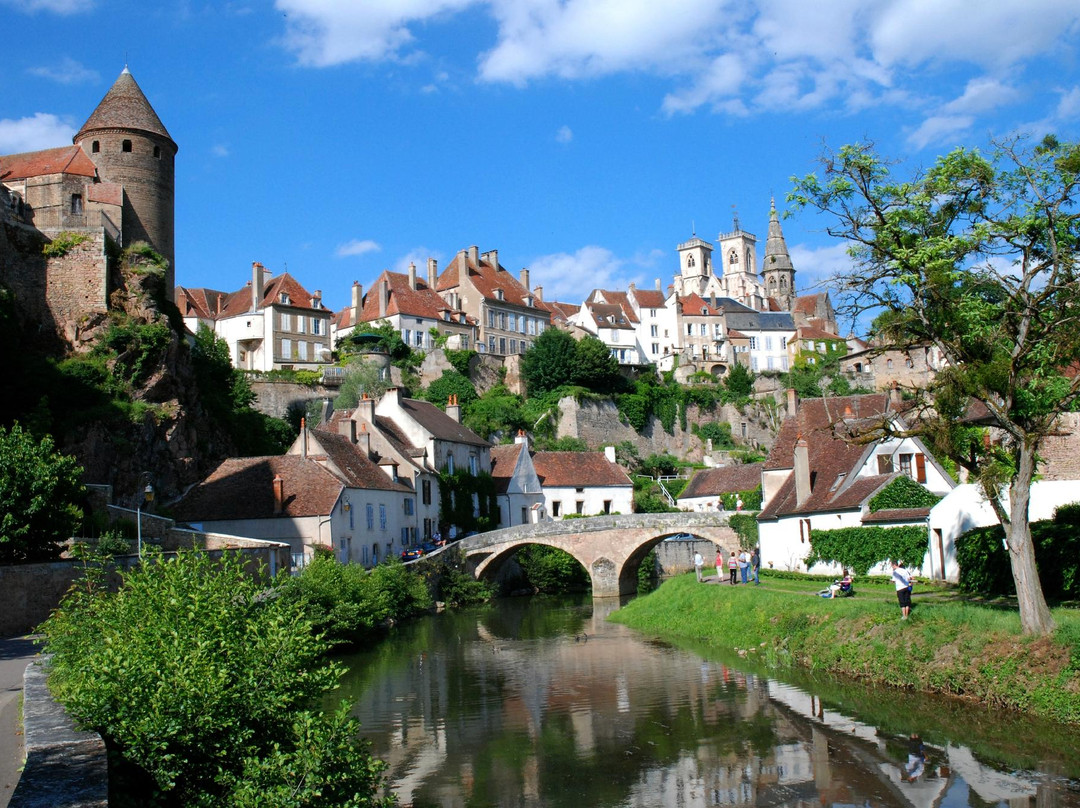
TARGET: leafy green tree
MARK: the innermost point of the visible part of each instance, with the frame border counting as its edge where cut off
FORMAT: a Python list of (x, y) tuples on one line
[(360, 377), (739, 381), (40, 491), (498, 410), (199, 674), (549, 362), (977, 257), (552, 570), (451, 383), (595, 367)]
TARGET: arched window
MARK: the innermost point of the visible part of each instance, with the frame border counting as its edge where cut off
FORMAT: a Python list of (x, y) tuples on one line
[(95, 147), (749, 266), (157, 151), (689, 261), (126, 146), (733, 258)]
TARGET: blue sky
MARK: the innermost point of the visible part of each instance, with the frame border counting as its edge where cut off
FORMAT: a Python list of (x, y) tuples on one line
[(583, 139)]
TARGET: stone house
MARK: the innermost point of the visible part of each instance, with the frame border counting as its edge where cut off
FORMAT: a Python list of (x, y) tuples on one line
[(826, 465), (583, 483), (705, 490), (657, 330), (509, 315), (271, 323)]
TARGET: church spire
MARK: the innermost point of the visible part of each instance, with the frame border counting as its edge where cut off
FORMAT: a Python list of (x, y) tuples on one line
[(778, 271)]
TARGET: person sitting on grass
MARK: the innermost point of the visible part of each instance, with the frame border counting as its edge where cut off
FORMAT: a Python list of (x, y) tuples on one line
[(840, 586)]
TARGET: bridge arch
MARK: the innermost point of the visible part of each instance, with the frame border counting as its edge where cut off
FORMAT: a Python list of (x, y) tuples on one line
[(610, 548)]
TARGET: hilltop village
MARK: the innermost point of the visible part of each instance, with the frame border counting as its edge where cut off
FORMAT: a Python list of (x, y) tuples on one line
[(392, 470)]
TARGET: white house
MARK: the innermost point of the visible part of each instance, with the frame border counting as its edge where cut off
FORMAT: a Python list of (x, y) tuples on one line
[(819, 477), (966, 508), (518, 490), (704, 492), (585, 483)]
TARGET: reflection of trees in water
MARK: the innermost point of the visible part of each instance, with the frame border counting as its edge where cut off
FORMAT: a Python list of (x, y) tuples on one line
[(531, 703)]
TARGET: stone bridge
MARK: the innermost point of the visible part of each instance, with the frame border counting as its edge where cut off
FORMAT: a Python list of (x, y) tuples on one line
[(610, 548)]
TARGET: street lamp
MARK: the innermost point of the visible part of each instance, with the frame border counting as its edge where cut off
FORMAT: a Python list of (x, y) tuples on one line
[(146, 498)]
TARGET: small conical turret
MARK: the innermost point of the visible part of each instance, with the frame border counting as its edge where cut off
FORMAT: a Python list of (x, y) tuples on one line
[(124, 107), (778, 271)]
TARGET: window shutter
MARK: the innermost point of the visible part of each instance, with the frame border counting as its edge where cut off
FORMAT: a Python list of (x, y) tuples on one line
[(920, 468)]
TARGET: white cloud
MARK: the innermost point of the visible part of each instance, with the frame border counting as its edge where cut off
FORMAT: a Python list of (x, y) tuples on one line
[(418, 256), (323, 33), (55, 6), (816, 265), (982, 95), (565, 276), (219, 150), (1068, 106), (356, 247), (66, 71), (564, 135), (940, 130), (42, 131)]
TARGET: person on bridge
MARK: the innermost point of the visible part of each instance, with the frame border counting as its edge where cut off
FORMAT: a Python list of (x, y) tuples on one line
[(733, 566), (719, 564), (699, 562)]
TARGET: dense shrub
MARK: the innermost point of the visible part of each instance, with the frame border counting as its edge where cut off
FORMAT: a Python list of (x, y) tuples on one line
[(984, 561), (467, 501), (551, 570), (202, 677), (860, 548), (745, 526), (450, 383), (719, 432), (903, 492)]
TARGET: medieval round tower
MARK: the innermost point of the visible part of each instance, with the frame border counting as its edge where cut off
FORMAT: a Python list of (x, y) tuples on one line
[(129, 145)]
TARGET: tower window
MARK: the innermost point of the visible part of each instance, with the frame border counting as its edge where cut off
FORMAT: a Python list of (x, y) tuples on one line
[(126, 146), (689, 261), (95, 147), (157, 151), (76, 205)]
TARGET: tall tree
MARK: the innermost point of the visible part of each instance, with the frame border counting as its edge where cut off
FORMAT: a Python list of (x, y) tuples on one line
[(977, 257), (549, 363)]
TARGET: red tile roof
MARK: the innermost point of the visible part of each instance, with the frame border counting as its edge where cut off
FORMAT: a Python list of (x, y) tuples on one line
[(578, 469), (487, 280), (216, 304), (243, 488), (693, 304), (620, 299), (356, 468), (649, 298), (63, 160), (807, 304), (725, 480), (504, 460), (423, 301), (813, 331)]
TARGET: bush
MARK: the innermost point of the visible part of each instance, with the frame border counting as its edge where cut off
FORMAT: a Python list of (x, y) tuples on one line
[(745, 526), (208, 681), (551, 570), (451, 383), (903, 492), (860, 548)]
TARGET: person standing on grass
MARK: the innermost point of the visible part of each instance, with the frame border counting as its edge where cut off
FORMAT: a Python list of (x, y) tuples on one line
[(699, 562), (902, 579), (733, 566), (719, 564), (755, 565), (744, 565)]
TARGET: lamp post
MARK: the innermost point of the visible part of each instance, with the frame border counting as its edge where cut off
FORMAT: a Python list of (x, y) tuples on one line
[(145, 498)]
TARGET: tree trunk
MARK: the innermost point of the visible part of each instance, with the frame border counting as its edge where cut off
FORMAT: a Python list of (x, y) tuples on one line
[(1034, 613)]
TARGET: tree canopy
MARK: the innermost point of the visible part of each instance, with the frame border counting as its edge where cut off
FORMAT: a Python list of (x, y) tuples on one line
[(976, 257), (549, 362)]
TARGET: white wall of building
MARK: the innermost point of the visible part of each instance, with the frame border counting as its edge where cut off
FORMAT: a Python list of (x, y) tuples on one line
[(592, 499)]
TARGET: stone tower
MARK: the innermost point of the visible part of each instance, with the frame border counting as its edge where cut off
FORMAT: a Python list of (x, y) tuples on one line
[(778, 272), (695, 265), (130, 146), (738, 252)]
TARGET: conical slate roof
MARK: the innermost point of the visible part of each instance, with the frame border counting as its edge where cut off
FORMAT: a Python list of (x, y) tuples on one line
[(124, 107), (776, 252)]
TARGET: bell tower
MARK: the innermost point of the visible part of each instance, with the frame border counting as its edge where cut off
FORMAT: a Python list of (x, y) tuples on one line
[(778, 271), (129, 145)]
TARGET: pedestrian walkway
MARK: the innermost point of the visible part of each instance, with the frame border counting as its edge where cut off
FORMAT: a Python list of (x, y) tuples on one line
[(15, 654)]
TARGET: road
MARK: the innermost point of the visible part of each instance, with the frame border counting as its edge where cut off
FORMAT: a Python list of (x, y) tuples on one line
[(15, 654)]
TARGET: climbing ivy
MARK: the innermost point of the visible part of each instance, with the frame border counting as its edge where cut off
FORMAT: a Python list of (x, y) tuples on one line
[(467, 501), (903, 492), (860, 548)]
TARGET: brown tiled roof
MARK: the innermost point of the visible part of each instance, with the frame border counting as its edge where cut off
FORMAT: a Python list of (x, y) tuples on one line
[(357, 469), (388, 429), (821, 422), (620, 299), (423, 301), (692, 304), (242, 488), (487, 280), (816, 332), (439, 424), (733, 334), (239, 302), (725, 480), (124, 107), (561, 311), (609, 315), (503, 462), (63, 160), (897, 515), (807, 304), (198, 302), (578, 469), (650, 298)]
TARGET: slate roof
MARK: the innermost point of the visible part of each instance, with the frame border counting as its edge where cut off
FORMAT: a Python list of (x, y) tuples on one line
[(833, 461), (751, 320), (897, 515), (725, 480), (578, 470), (503, 462), (242, 488), (609, 315), (388, 429), (125, 107), (62, 160), (440, 425)]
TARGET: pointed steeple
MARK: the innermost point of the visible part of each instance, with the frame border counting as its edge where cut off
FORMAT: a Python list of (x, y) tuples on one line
[(776, 251), (124, 107)]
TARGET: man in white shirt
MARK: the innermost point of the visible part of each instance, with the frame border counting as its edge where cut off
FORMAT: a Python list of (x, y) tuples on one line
[(902, 579)]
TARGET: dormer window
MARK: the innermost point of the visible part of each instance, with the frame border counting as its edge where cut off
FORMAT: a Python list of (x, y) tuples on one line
[(284, 297), (499, 294)]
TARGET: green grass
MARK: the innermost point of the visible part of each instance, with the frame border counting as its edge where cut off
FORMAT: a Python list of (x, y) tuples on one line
[(949, 645)]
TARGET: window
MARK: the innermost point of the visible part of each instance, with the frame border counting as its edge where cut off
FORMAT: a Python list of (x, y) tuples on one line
[(125, 146), (491, 318), (316, 326), (502, 322), (513, 346), (652, 312), (607, 506), (425, 491), (614, 336), (704, 330), (654, 331), (285, 320), (409, 509), (418, 339), (532, 326), (382, 516), (689, 329), (579, 507), (689, 261), (884, 464), (499, 294), (524, 516), (301, 350), (406, 335), (301, 324), (284, 297), (450, 463), (502, 345), (157, 151), (491, 344), (474, 465), (905, 465), (753, 343), (783, 343), (76, 205), (286, 349), (768, 343), (556, 508), (888, 364), (370, 516), (656, 347), (95, 147)]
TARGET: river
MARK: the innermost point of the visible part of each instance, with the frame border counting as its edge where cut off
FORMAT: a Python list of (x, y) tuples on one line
[(543, 702)]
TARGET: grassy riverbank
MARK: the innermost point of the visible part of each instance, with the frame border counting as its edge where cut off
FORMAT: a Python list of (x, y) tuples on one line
[(949, 645)]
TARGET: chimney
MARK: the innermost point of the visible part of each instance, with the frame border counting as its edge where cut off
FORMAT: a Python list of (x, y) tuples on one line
[(493, 258), (365, 410), (303, 438), (432, 272), (347, 427), (792, 401), (395, 394), (633, 286), (256, 285), (802, 471), (453, 409), (279, 495), (895, 399), (609, 453), (525, 278), (658, 285), (412, 275), (357, 301), (464, 256), (363, 441), (384, 297), (474, 255), (539, 292), (522, 438)]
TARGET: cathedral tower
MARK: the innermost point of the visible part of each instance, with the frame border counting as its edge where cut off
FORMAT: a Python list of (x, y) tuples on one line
[(778, 272), (130, 146)]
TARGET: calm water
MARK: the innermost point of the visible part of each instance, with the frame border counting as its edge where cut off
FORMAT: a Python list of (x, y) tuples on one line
[(538, 702)]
